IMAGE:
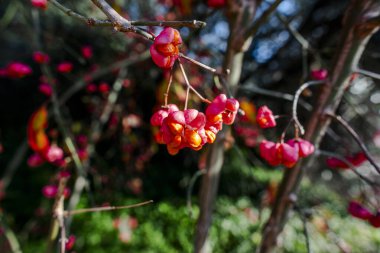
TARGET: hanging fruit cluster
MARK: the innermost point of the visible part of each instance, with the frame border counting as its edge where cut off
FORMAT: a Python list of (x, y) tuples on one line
[(190, 128)]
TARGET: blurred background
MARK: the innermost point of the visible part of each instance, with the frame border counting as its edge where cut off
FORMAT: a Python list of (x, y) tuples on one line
[(108, 97)]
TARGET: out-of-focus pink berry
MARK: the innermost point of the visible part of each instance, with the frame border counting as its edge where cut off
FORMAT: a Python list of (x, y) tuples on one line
[(41, 57), (17, 70), (54, 153), (70, 242), (104, 87), (91, 88), (216, 3), (319, 74), (45, 89), (358, 211), (87, 52), (65, 67), (305, 148), (35, 160), (49, 191), (42, 4)]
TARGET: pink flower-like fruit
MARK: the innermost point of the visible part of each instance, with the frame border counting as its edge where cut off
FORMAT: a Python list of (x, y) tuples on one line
[(305, 148), (279, 153), (165, 48), (265, 118)]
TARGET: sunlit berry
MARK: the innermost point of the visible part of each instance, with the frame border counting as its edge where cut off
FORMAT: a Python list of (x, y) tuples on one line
[(265, 118), (165, 48), (279, 153)]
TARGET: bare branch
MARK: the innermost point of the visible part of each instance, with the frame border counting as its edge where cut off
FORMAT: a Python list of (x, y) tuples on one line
[(10, 235), (189, 85), (71, 13), (253, 29), (117, 20), (176, 24), (357, 139), (352, 167), (212, 70), (295, 101), (367, 73), (102, 209), (190, 189)]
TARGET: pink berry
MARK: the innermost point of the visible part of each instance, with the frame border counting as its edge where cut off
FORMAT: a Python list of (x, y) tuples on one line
[(65, 67), (319, 74), (265, 118), (41, 57), (165, 48)]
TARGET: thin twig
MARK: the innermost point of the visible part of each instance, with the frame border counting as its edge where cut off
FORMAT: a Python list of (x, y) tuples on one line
[(187, 97), (12, 166), (88, 21), (275, 94), (305, 230), (253, 29), (102, 209), (191, 24), (166, 94), (120, 23), (356, 137), (295, 101), (10, 235), (189, 85), (367, 73), (208, 68), (352, 167), (190, 190), (81, 83)]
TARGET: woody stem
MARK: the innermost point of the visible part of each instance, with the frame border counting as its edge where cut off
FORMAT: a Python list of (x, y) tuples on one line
[(189, 85), (166, 94), (187, 97), (295, 102), (204, 66)]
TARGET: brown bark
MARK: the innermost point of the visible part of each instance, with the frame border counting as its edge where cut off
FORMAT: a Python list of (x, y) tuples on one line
[(355, 35)]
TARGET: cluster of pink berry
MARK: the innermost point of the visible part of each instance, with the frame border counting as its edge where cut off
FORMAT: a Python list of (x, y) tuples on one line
[(191, 128), (285, 153), (360, 212)]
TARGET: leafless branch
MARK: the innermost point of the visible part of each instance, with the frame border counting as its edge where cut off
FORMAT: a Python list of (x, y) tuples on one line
[(352, 167), (253, 29), (102, 209), (295, 102), (357, 138)]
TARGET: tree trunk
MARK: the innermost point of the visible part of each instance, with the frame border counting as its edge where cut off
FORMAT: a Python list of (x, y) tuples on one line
[(355, 35), (240, 14)]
